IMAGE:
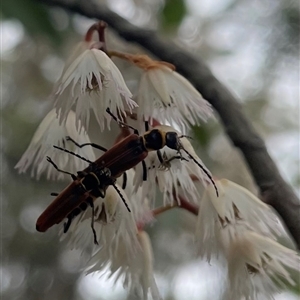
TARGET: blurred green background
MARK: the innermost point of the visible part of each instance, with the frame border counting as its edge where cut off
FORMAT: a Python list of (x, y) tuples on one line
[(251, 46)]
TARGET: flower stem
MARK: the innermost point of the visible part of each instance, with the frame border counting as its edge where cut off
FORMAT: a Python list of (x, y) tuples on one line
[(100, 28), (188, 206), (142, 61), (184, 204), (101, 31), (122, 55), (162, 209)]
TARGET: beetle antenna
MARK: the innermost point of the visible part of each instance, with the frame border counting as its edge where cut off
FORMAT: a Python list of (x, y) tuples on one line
[(74, 177), (122, 197), (68, 138), (70, 152), (121, 123), (203, 169)]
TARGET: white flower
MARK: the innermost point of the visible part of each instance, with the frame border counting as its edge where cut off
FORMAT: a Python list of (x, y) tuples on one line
[(257, 267), (123, 250), (50, 133), (113, 224), (91, 81), (136, 270), (167, 96), (221, 217), (174, 177)]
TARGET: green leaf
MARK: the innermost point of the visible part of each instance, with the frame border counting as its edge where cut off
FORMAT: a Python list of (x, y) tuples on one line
[(173, 13), (33, 15), (201, 135)]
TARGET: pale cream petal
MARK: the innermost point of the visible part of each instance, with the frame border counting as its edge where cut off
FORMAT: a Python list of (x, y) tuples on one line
[(48, 134), (92, 82)]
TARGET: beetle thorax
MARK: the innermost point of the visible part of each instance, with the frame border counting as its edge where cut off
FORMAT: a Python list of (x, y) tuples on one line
[(154, 139)]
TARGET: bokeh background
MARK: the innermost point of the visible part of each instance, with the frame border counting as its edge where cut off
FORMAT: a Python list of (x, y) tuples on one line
[(251, 46)]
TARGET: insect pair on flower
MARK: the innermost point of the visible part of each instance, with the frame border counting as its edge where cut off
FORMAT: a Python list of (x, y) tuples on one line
[(93, 181), (90, 82)]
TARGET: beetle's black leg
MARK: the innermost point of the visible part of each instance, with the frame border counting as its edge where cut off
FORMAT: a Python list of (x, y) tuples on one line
[(175, 157), (98, 192), (68, 223), (76, 211), (144, 170), (91, 203), (123, 199), (146, 125), (54, 194), (160, 157), (124, 181), (86, 144), (74, 177), (185, 136)]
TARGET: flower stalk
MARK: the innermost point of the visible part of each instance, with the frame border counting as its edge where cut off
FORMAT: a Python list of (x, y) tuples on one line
[(142, 61), (100, 29)]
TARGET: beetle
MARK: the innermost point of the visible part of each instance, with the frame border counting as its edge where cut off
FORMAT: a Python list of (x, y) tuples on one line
[(93, 181)]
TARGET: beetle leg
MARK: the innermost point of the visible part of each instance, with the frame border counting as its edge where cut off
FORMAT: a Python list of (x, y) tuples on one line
[(68, 223), (91, 203), (74, 177), (54, 194), (98, 192), (68, 138), (146, 126), (144, 170), (160, 157), (165, 161), (120, 194), (175, 157), (124, 180), (70, 217)]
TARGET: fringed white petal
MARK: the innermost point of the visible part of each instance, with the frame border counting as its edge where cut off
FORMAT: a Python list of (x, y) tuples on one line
[(92, 82), (257, 267), (221, 218), (167, 96), (113, 224), (135, 270), (48, 134)]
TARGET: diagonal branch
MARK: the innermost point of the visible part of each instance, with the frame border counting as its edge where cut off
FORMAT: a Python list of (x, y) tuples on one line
[(273, 188)]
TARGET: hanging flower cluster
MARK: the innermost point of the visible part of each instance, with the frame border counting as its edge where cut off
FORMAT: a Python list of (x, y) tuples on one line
[(238, 226), (231, 222)]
